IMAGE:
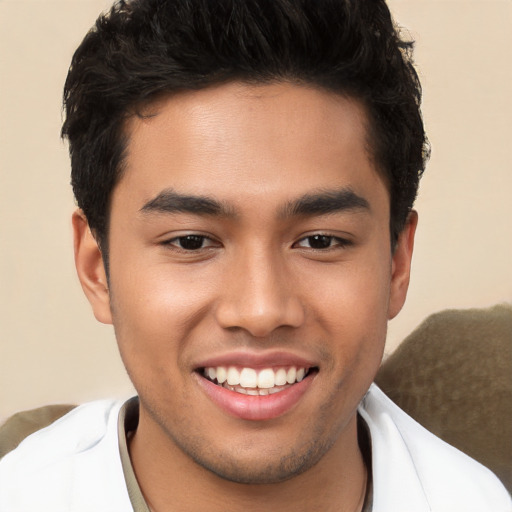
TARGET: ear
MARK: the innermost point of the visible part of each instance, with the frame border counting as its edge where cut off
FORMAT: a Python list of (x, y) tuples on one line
[(90, 268), (401, 265)]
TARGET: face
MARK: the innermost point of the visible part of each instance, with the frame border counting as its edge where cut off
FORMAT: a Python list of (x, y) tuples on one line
[(251, 275)]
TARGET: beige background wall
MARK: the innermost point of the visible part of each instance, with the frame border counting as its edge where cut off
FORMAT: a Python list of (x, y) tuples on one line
[(51, 348)]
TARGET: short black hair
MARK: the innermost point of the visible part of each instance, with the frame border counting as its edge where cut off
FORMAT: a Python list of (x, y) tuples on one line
[(142, 49)]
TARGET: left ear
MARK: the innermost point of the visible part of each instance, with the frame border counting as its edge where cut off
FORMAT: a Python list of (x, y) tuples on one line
[(401, 265)]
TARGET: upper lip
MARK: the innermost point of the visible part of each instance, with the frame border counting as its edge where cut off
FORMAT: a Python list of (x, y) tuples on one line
[(267, 359)]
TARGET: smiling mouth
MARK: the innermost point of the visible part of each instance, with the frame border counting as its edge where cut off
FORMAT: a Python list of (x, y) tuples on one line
[(262, 382)]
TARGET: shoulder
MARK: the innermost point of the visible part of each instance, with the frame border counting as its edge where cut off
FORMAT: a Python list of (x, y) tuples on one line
[(415, 470), (22, 424), (56, 467)]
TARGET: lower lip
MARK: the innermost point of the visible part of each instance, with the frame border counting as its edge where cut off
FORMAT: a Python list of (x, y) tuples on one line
[(255, 408)]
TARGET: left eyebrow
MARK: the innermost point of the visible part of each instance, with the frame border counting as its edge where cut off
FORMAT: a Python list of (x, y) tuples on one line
[(325, 202)]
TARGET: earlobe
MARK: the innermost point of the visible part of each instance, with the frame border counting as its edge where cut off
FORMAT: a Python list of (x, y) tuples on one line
[(90, 268), (401, 265)]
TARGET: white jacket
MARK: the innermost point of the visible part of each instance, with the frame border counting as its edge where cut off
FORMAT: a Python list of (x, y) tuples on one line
[(74, 466)]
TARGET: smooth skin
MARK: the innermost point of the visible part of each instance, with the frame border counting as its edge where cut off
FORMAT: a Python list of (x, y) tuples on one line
[(253, 273)]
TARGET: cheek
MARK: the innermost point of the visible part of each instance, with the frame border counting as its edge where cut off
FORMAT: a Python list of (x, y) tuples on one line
[(352, 294), (156, 311), (351, 307)]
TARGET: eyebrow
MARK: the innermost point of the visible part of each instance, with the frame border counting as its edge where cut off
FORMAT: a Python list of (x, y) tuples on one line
[(319, 203), (170, 201), (326, 202)]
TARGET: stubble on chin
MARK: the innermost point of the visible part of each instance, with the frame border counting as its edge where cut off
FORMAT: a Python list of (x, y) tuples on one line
[(267, 466)]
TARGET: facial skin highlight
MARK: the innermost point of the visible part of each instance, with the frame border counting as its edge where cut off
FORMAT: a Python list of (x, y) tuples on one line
[(250, 228)]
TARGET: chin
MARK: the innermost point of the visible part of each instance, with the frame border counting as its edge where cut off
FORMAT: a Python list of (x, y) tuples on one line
[(258, 466), (260, 473)]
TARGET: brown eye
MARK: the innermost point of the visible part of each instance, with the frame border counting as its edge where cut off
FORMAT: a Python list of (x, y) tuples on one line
[(320, 241), (189, 242), (192, 242)]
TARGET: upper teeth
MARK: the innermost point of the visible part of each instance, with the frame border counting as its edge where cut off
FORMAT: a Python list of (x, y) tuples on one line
[(265, 378)]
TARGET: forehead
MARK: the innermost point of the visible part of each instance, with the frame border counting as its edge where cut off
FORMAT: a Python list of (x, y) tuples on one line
[(237, 139)]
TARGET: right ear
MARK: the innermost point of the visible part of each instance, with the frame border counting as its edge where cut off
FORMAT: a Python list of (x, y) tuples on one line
[(90, 268)]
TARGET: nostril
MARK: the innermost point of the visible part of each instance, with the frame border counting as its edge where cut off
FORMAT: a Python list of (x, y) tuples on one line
[(260, 321)]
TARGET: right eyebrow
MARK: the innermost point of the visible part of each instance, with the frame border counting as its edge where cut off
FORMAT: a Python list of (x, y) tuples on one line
[(170, 201)]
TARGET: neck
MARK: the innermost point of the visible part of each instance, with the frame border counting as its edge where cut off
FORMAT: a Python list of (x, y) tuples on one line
[(170, 480)]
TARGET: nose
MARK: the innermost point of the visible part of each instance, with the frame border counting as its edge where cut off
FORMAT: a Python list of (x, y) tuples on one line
[(259, 297)]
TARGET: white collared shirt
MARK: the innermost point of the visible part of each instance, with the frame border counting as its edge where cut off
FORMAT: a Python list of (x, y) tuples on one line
[(75, 465)]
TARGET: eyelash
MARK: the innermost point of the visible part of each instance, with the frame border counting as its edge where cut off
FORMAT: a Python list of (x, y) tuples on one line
[(334, 242), (197, 242), (193, 238)]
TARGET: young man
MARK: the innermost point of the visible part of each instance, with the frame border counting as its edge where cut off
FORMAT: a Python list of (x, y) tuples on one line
[(245, 173)]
